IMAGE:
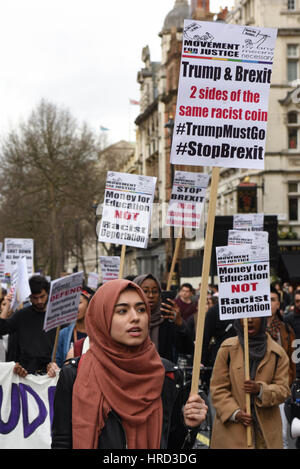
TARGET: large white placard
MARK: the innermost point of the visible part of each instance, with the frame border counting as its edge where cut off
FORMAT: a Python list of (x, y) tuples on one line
[(26, 409), (222, 104), (127, 208), (187, 199), (14, 249), (110, 267), (62, 306), (244, 284)]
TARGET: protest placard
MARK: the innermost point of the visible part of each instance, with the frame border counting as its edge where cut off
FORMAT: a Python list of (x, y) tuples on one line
[(26, 409), (62, 306), (187, 199), (2, 273), (239, 237), (222, 104), (244, 283), (19, 288), (14, 249), (248, 221), (110, 267), (127, 209), (93, 280)]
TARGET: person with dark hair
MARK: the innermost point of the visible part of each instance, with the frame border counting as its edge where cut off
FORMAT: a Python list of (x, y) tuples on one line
[(187, 306), (161, 329), (268, 387), (70, 334), (293, 319), (120, 393), (34, 345)]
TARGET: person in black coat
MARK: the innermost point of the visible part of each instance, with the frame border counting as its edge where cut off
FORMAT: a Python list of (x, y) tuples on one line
[(121, 394)]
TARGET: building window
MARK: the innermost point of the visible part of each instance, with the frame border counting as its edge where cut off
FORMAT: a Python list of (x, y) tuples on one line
[(293, 197), (291, 4), (292, 120), (292, 62)]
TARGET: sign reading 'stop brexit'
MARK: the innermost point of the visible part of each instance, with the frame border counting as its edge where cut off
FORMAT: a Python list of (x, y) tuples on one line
[(222, 105)]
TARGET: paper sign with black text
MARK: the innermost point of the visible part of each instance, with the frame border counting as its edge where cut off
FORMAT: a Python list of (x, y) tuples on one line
[(14, 249), (62, 307), (244, 283), (127, 208), (110, 267), (248, 221), (222, 104), (238, 237), (187, 199)]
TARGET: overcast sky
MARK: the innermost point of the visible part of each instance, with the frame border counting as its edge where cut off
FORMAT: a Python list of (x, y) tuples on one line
[(83, 55)]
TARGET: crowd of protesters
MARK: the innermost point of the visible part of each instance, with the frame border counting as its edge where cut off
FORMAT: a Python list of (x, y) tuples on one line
[(128, 331)]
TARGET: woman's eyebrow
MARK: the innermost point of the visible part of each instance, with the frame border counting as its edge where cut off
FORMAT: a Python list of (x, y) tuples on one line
[(127, 304)]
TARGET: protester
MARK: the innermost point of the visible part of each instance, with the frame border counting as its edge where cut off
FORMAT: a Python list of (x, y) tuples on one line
[(162, 328), (69, 335), (187, 306), (5, 312), (34, 345), (284, 335), (124, 395), (293, 319), (268, 386)]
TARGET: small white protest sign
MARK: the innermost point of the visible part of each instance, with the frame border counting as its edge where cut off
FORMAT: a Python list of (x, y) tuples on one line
[(93, 279), (64, 295), (238, 237), (110, 267), (20, 288), (187, 199), (14, 249), (248, 221), (127, 209), (222, 103), (244, 283)]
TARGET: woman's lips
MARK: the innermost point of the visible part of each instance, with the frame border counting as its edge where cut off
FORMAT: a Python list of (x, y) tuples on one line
[(135, 331)]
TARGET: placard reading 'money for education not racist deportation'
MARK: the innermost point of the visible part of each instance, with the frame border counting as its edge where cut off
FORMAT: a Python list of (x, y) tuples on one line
[(127, 209), (222, 104), (244, 284)]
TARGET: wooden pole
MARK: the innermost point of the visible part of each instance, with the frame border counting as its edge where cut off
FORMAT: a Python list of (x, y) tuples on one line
[(55, 343), (174, 260), (247, 376), (204, 279), (122, 260)]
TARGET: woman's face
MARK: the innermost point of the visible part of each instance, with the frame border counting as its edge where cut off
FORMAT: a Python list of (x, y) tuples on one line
[(82, 307), (253, 326), (151, 290), (130, 319)]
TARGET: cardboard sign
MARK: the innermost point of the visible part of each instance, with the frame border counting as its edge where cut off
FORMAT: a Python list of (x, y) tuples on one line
[(62, 307), (93, 279), (222, 105), (127, 209), (14, 249), (187, 199), (110, 267), (244, 283), (248, 221)]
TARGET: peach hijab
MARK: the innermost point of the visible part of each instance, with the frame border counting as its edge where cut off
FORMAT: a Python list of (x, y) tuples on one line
[(128, 380)]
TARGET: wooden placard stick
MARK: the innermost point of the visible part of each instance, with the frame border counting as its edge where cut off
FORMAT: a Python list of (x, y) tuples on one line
[(204, 280), (122, 260), (55, 343), (247, 376), (174, 259)]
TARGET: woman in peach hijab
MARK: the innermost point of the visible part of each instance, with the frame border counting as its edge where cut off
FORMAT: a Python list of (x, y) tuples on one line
[(121, 394)]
